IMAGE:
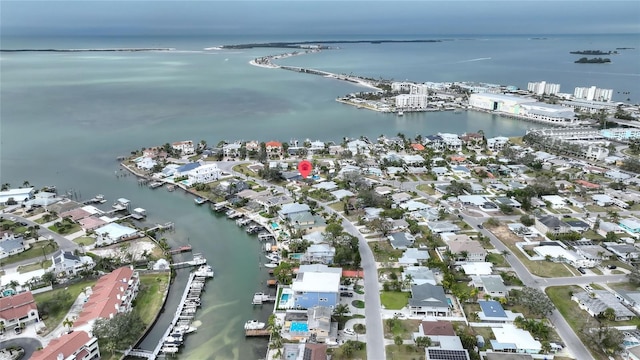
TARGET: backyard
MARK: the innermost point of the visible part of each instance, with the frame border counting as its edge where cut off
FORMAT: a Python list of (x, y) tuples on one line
[(394, 300), (151, 296), (59, 301), (404, 352), (383, 252), (403, 328), (40, 248)]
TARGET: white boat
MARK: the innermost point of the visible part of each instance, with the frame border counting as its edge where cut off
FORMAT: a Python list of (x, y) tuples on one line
[(171, 187), (400, 113), (155, 184), (271, 265), (205, 271), (174, 339), (273, 257), (168, 349), (200, 200), (185, 329), (253, 325)]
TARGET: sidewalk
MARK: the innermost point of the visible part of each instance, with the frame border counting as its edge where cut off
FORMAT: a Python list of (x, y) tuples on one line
[(72, 315)]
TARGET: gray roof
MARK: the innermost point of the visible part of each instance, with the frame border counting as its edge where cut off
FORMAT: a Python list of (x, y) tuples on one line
[(60, 256), (602, 301), (293, 208), (419, 273), (551, 221), (11, 244), (319, 317), (493, 284), (428, 295), (399, 240)]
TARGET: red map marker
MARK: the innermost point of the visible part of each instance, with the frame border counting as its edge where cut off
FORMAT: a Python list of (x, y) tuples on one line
[(305, 168)]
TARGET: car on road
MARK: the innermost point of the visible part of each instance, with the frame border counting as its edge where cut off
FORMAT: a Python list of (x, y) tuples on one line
[(18, 330), (480, 226), (399, 315), (611, 267), (349, 331), (582, 271), (588, 288), (346, 294)]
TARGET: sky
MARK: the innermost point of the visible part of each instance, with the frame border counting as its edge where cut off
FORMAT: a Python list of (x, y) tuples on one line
[(266, 17)]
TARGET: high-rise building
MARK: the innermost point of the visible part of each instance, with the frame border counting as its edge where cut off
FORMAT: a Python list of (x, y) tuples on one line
[(593, 93), (541, 88)]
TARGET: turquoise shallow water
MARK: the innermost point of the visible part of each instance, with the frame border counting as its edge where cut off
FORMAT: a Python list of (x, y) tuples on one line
[(65, 117)]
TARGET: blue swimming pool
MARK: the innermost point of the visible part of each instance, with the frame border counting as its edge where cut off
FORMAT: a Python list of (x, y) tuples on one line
[(296, 256), (284, 298), (299, 327), (274, 226)]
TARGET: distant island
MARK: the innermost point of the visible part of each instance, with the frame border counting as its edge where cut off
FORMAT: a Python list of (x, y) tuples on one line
[(625, 48), (593, 52), (597, 60), (87, 50), (313, 44)]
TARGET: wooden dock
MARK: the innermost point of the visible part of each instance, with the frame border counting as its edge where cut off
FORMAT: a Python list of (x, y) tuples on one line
[(257, 332), (181, 249)]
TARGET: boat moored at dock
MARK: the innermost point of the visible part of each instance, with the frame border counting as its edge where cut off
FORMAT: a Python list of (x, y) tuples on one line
[(254, 325)]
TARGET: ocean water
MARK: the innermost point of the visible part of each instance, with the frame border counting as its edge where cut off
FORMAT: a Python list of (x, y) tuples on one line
[(65, 117)]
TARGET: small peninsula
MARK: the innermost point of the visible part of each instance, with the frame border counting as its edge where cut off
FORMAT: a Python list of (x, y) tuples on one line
[(598, 60), (313, 44), (593, 52)]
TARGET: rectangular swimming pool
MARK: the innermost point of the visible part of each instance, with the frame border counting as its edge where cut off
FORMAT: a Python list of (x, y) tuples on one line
[(298, 327), (275, 226), (284, 298)]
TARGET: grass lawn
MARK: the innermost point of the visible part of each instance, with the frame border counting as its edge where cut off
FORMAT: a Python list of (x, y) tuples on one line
[(358, 304), (35, 251), (35, 266), (426, 188), (338, 354), (402, 328), (617, 263), (592, 235), (596, 270), (150, 298), (56, 318), (404, 352), (337, 206), (84, 240), (383, 252), (67, 230), (623, 286), (497, 260), (394, 300)]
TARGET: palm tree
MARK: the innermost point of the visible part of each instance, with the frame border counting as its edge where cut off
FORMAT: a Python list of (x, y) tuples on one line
[(341, 311), (5, 186), (2, 327), (26, 184), (67, 323)]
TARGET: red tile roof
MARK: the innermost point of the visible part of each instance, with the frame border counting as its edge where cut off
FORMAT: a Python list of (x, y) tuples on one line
[(66, 344), (315, 352), (587, 184), (273, 144), (353, 273), (437, 328), (17, 306), (102, 302), (417, 147)]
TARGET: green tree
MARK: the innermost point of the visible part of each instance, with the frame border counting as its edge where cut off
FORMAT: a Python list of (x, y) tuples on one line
[(119, 332), (398, 340), (340, 311), (284, 272)]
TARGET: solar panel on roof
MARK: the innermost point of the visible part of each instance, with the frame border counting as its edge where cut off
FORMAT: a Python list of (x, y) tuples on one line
[(444, 354)]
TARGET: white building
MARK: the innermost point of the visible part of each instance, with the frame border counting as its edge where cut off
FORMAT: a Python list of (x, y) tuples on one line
[(411, 102), (560, 254), (451, 141), (114, 232), (65, 262), (419, 89), (497, 102), (621, 134), (184, 147), (593, 93), (404, 87), (18, 195), (541, 88), (497, 143), (548, 113), (511, 339), (204, 174)]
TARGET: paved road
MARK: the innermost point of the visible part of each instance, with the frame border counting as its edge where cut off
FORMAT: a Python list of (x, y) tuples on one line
[(30, 345), (571, 340)]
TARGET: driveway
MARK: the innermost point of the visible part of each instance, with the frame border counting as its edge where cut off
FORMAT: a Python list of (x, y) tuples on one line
[(63, 242), (30, 345)]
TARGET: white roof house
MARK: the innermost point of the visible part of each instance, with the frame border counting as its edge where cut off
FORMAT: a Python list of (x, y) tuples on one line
[(477, 268), (316, 282), (555, 200), (521, 339), (113, 232), (19, 195), (558, 253)]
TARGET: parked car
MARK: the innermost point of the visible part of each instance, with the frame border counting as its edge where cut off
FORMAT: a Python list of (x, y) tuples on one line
[(588, 288), (18, 330), (399, 315), (349, 331), (611, 267), (582, 271), (480, 226), (346, 294)]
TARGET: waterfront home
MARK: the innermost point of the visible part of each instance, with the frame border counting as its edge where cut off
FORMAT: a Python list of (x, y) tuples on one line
[(419, 275), (429, 300), (596, 302), (417, 147), (16, 196), (305, 351), (316, 285), (12, 245), (231, 150), (273, 148), (183, 170), (463, 248), (184, 147), (315, 237), (112, 294), (319, 322), (491, 311), (451, 141), (66, 263), (358, 147), (18, 309), (113, 233), (511, 339), (551, 224), (169, 170), (76, 345), (319, 253), (491, 285), (204, 174), (401, 240), (292, 209)]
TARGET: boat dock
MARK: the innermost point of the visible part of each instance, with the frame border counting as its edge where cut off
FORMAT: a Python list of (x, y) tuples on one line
[(172, 338), (261, 298), (198, 260), (256, 332), (181, 249)]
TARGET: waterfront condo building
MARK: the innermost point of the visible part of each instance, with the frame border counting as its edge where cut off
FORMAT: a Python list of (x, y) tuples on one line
[(411, 102), (77, 345), (593, 93), (316, 285), (543, 88), (184, 147)]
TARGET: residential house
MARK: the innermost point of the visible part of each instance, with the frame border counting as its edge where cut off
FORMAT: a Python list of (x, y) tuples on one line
[(305, 351), (434, 142), (184, 170), (18, 309), (184, 147), (274, 148), (626, 252), (319, 322), (511, 339), (631, 225), (112, 294), (555, 200), (472, 140), (76, 345), (498, 143), (445, 344), (551, 224), (316, 285), (146, 163), (617, 175), (66, 263), (597, 301), (577, 225), (491, 285), (606, 227), (11, 245), (252, 146), (593, 252), (413, 256), (492, 355), (463, 248), (401, 240), (491, 311), (319, 253), (451, 141), (429, 300), (231, 150), (399, 198), (412, 160), (602, 200), (292, 209), (630, 298), (419, 275), (113, 233), (204, 174), (558, 253), (357, 147), (440, 227), (18, 195)]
